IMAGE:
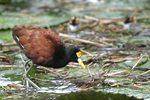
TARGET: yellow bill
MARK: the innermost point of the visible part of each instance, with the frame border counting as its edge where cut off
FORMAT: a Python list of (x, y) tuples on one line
[(81, 63), (79, 60)]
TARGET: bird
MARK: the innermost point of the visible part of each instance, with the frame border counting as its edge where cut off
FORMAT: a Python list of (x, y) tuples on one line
[(73, 24), (44, 47), (129, 22)]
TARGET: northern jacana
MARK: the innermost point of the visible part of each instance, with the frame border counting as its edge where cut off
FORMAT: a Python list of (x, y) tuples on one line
[(44, 48), (129, 22), (73, 24)]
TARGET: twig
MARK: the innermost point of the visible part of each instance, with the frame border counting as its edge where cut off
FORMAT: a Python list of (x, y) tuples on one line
[(44, 80), (70, 65), (91, 18), (12, 66), (119, 60), (110, 9), (124, 76), (110, 74), (103, 21), (89, 26), (139, 87), (108, 49), (50, 70), (81, 40), (22, 58), (143, 73), (87, 53), (116, 84), (101, 40), (142, 83), (90, 79), (105, 43), (135, 64), (9, 44), (107, 39), (105, 65)]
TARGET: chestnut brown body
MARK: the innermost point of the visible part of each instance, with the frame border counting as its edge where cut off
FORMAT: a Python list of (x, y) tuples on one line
[(38, 44)]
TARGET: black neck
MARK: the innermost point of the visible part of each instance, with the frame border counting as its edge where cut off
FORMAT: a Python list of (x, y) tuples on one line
[(60, 57), (64, 55)]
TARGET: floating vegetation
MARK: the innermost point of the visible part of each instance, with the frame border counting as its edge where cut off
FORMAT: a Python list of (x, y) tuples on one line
[(117, 60)]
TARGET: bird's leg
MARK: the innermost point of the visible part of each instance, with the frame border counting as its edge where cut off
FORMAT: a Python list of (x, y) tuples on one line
[(25, 75), (76, 34), (68, 30), (129, 30), (25, 70)]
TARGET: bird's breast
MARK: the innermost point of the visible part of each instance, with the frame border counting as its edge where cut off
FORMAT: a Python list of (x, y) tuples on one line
[(73, 27)]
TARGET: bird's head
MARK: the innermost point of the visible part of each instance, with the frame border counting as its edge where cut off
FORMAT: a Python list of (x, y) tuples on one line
[(74, 55)]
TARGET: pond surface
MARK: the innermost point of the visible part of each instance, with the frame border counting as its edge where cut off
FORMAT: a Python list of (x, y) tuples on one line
[(118, 54)]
